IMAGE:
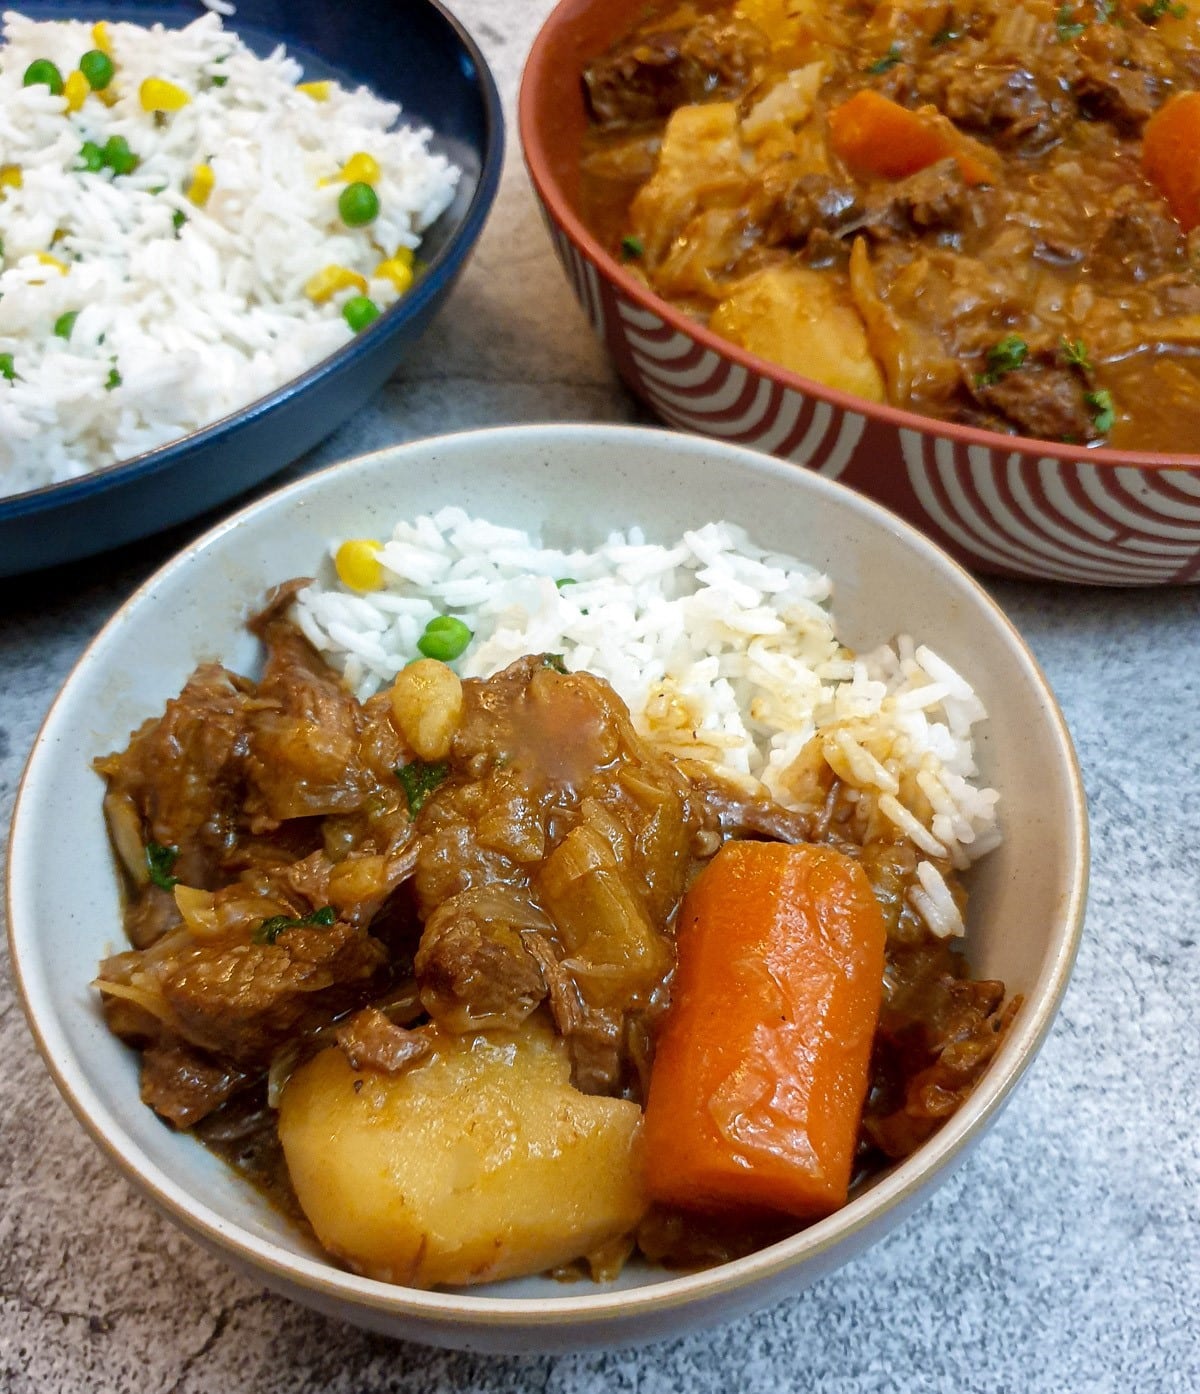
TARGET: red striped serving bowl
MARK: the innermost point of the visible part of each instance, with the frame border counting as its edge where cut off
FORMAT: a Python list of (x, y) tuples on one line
[(1005, 505)]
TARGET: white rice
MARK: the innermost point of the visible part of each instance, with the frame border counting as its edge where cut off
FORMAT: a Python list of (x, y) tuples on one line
[(201, 323), (723, 653)]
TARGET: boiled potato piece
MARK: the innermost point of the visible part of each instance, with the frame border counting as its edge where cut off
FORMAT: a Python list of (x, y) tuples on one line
[(795, 317), (700, 163), (480, 1162)]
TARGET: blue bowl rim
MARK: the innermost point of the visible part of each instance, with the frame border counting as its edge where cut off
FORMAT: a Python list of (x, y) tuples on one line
[(441, 271)]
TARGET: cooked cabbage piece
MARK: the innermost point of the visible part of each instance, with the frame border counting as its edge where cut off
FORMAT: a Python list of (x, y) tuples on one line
[(480, 1162)]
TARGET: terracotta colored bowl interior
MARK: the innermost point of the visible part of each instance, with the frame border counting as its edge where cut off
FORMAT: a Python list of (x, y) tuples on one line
[(553, 120)]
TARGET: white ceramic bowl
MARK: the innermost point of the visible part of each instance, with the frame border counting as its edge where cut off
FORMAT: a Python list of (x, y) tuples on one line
[(576, 483)]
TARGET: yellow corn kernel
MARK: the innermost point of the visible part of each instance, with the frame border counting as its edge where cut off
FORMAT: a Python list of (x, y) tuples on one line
[(75, 89), (109, 95), (318, 91), (357, 564), (11, 177), (395, 270), (361, 168), (157, 94), (404, 255), (100, 37), (201, 186), (47, 260), (330, 279)]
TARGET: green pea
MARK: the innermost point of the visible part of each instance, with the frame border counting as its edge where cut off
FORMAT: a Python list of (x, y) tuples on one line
[(65, 323), (118, 156), (7, 370), (445, 638), (358, 204), (92, 157), (98, 68), (359, 311), (42, 71)]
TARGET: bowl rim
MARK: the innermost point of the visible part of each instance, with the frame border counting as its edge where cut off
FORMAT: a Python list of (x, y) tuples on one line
[(897, 1189), (551, 194), (427, 288)]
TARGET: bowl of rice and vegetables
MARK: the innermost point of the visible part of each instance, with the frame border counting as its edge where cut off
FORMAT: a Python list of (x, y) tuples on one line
[(215, 247), (558, 886)]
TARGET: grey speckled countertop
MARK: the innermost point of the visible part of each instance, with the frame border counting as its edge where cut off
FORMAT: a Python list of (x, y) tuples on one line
[(1063, 1256)]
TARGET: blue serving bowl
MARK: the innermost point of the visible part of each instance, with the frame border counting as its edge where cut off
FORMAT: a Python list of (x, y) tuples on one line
[(415, 53)]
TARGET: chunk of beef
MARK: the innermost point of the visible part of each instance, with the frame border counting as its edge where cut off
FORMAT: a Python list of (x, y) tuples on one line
[(473, 966), (1142, 238), (242, 1000), (179, 783), (935, 199), (799, 212), (922, 1072), (1014, 107), (1042, 399), (592, 1038), (304, 758), (371, 1042), (184, 1085), (646, 77), (1124, 97), (790, 208), (740, 815)]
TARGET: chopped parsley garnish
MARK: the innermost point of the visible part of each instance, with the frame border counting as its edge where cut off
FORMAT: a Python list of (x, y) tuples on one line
[(271, 929), (178, 218), (160, 861), (1075, 355), (1003, 357), (419, 779), (113, 379), (1103, 11), (632, 248), (566, 581), (1068, 27), (890, 59), (218, 81), (555, 661), (1156, 9), (8, 369), (1100, 404)]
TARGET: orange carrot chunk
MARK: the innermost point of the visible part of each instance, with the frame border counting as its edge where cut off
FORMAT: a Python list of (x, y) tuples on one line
[(872, 135), (1171, 156), (761, 1066)]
